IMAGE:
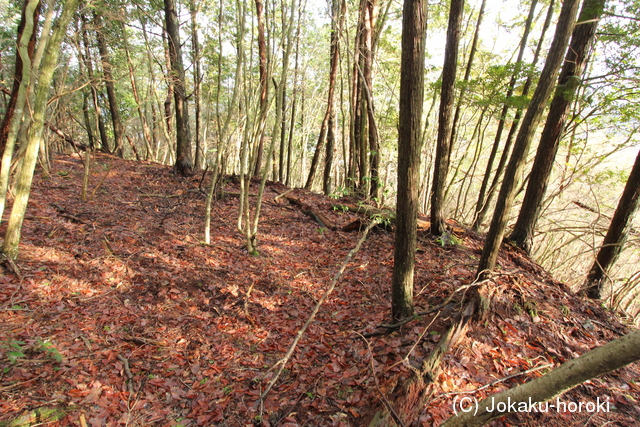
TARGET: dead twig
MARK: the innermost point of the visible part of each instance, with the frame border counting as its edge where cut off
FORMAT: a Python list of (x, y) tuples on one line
[(405, 360), (127, 372), (275, 199), (282, 362), (246, 300), (384, 399), (12, 265), (446, 302), (498, 381)]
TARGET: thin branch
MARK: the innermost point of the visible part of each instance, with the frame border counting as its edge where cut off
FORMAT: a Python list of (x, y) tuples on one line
[(282, 362)]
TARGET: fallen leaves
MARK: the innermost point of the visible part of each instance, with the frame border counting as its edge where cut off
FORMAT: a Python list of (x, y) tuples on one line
[(156, 329)]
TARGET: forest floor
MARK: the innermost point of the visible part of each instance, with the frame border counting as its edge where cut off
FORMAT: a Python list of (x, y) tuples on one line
[(121, 316)]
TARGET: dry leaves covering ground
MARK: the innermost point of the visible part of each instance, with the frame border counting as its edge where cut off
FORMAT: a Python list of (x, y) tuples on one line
[(121, 316)]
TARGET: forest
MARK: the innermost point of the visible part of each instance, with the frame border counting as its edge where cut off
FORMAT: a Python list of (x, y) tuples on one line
[(362, 198)]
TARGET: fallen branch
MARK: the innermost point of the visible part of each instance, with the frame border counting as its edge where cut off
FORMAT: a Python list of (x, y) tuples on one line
[(614, 355), (68, 215), (66, 138), (317, 216), (127, 372), (12, 265), (282, 362), (275, 199)]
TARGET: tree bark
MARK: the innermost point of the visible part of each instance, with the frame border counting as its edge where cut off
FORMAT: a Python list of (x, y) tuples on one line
[(616, 235), (17, 74), (25, 45), (197, 80), (569, 80), (443, 145), (118, 128), (532, 118), (337, 21), (88, 62), (34, 134), (264, 84), (414, 21), (183, 164), (484, 199), (614, 355), (136, 96)]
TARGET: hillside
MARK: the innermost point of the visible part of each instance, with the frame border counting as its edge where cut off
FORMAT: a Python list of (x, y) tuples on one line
[(119, 315)]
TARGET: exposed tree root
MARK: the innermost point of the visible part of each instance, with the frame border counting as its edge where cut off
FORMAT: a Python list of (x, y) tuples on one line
[(413, 395)]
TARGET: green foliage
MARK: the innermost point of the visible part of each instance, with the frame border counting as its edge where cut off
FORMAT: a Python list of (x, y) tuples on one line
[(448, 239), (18, 350), (340, 192), (15, 350), (384, 220), (47, 348)]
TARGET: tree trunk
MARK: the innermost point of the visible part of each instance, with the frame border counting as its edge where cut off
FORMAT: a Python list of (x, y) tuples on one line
[(363, 149), (483, 199), (183, 164), (616, 235), (529, 396), (575, 60), (136, 96), (197, 80), (373, 148), (17, 74), (294, 103), (13, 116), (88, 62), (118, 128), (34, 134), (337, 21), (443, 146), (264, 85), (532, 118), (467, 73), (414, 21)]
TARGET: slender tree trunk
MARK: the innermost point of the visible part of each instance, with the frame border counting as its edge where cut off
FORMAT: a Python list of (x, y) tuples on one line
[(338, 13), (118, 128), (294, 104), (17, 74), (414, 22), (614, 355), (197, 80), (483, 200), (443, 146), (88, 62), (183, 164), (263, 69), (136, 96), (168, 114), (13, 116), (363, 131), (34, 134), (530, 122), (279, 125), (616, 235), (574, 63), (467, 73), (373, 148), (152, 89)]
